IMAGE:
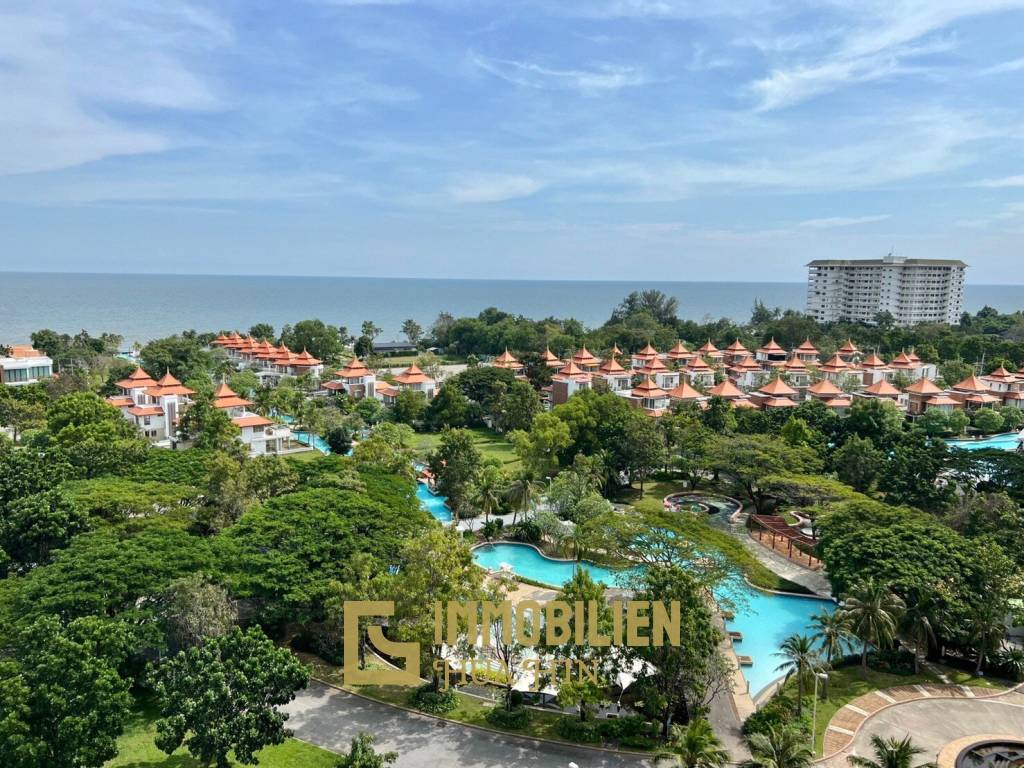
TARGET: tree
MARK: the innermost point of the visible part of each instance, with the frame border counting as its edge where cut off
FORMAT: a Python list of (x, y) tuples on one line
[(33, 526), (455, 463), (19, 414), (449, 408), (797, 432), (873, 613), (698, 746), (581, 589), (858, 463), (749, 458), (437, 566), (410, 407), (193, 609), (890, 753), (688, 675), (486, 491), (222, 697), (832, 631), (517, 407), (985, 629), (62, 702), (371, 330), (539, 448), (779, 747), (934, 422), (800, 659), (362, 754), (522, 494), (916, 625), (182, 356), (957, 421), (412, 331), (876, 419), (988, 420), (262, 331), (339, 439), (316, 337), (209, 427), (719, 416)]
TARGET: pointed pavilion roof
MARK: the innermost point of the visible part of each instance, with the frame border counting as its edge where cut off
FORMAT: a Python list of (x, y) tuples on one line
[(167, 380), (611, 366), (736, 347), (807, 347), (901, 361), (685, 392), (795, 364), (1001, 373), (137, 379), (726, 389), (168, 385), (648, 389), (647, 351), (225, 397), (305, 359), (413, 375), (571, 371), (941, 399), (615, 351), (707, 348), (355, 369), (549, 357), (584, 357), (697, 364), (654, 365), (771, 347), (746, 363), (679, 351), (824, 388), (777, 388), (913, 356), (849, 347), (872, 361), (835, 364), (972, 384), (923, 387), (882, 388)]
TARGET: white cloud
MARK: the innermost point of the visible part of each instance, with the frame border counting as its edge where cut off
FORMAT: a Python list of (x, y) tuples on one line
[(1000, 183), (66, 70), (1007, 66), (842, 221), (606, 77), (493, 189), (1010, 213)]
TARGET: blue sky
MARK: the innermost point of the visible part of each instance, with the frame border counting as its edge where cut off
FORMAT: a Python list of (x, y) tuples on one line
[(596, 139)]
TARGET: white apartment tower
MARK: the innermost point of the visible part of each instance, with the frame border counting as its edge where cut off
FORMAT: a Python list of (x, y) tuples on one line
[(912, 290)]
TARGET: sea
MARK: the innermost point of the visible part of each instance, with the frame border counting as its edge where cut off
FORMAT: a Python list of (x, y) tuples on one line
[(144, 307)]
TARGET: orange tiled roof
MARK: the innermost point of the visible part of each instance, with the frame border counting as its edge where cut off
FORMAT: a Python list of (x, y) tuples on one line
[(849, 347), (1000, 373), (873, 361), (121, 401), (573, 372), (648, 389), (252, 420), (584, 357), (923, 387), (146, 410), (736, 347), (777, 387), (506, 360), (685, 392), (972, 384), (882, 388), (137, 379), (839, 402), (771, 346), (678, 351), (835, 364), (778, 402), (550, 358), (807, 347), (355, 369), (225, 397), (824, 388), (795, 364), (697, 365), (901, 361), (610, 366), (726, 389), (654, 365), (942, 400), (707, 348), (413, 375)]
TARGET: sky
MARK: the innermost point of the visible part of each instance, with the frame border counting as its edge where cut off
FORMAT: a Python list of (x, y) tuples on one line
[(586, 139)]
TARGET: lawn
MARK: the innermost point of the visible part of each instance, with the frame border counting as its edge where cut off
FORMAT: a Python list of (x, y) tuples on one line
[(137, 750), (490, 444)]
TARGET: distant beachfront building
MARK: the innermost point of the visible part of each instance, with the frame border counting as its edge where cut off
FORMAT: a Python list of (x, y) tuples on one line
[(911, 290), (24, 365)]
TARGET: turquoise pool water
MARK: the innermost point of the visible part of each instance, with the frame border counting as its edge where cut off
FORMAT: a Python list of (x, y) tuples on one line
[(318, 442), (1005, 442), (433, 503), (764, 619)]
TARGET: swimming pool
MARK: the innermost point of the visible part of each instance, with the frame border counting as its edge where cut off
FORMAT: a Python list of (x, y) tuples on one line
[(433, 503), (318, 442), (1005, 442), (765, 619)]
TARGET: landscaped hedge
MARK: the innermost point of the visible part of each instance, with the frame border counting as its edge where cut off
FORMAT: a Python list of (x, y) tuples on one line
[(514, 719), (434, 702)]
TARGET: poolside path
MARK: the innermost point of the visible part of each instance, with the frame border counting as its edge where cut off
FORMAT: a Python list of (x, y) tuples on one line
[(330, 718), (933, 714), (815, 581)]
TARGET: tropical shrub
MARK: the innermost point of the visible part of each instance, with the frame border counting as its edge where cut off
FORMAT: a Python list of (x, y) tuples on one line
[(514, 719), (434, 702)]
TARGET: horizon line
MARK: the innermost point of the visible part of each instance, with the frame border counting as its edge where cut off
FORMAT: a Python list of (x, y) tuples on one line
[(407, 277)]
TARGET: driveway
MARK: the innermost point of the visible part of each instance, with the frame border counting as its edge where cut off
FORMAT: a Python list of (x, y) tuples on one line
[(330, 718)]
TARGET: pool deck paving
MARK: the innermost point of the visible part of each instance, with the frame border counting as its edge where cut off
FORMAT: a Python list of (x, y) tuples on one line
[(932, 714)]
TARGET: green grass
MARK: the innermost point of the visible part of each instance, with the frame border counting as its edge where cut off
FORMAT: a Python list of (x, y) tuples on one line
[(490, 444), (137, 750)]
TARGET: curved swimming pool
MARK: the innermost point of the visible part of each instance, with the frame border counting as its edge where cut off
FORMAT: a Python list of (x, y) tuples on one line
[(1008, 441), (765, 619), (433, 503)]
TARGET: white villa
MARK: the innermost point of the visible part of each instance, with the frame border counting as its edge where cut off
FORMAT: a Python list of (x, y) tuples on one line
[(24, 365)]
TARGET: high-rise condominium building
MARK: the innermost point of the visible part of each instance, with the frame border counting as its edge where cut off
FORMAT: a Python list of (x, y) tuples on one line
[(911, 290)]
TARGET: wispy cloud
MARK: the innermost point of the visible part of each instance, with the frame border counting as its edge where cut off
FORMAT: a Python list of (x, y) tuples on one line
[(1000, 183), (493, 189), (605, 77), (1008, 213), (842, 221), (1007, 66)]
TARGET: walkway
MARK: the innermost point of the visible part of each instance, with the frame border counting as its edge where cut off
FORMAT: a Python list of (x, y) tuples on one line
[(815, 581), (330, 718), (933, 714)]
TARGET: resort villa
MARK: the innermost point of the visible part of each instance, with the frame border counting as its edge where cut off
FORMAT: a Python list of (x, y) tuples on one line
[(24, 365), (268, 362)]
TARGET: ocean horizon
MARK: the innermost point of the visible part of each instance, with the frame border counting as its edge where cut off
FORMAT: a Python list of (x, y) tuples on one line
[(141, 307)]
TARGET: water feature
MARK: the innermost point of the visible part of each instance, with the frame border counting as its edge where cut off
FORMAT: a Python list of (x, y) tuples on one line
[(433, 503), (765, 619), (318, 442), (1008, 441), (708, 502)]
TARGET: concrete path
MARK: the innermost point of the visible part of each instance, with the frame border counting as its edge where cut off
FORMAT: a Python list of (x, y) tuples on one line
[(933, 716), (330, 718)]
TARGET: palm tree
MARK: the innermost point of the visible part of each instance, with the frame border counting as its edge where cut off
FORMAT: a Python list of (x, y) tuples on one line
[(698, 746), (486, 491), (832, 631), (916, 626), (801, 658), (890, 753), (1012, 660), (523, 494), (778, 748), (873, 612), (985, 631)]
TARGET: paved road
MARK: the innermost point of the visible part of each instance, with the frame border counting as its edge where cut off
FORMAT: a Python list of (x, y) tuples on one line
[(935, 723), (330, 718)]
